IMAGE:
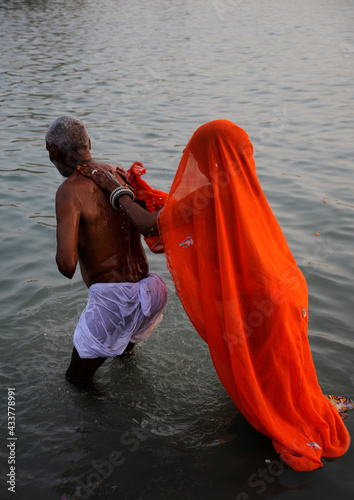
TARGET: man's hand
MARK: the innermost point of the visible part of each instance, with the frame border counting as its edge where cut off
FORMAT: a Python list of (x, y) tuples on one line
[(104, 179)]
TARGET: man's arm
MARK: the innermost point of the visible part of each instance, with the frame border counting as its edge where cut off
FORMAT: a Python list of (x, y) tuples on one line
[(142, 220), (68, 218)]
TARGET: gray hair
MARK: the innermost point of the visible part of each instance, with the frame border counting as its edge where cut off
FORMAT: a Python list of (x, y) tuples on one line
[(69, 134)]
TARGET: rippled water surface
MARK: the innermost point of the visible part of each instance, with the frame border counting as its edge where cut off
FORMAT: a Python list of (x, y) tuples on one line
[(143, 75)]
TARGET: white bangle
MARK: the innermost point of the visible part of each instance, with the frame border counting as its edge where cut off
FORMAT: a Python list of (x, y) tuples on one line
[(117, 193)]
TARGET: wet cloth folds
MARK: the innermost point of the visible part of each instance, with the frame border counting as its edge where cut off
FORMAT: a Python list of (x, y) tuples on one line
[(245, 295), (117, 313)]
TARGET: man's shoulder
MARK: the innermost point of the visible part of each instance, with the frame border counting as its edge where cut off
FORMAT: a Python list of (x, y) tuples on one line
[(66, 193), (72, 185), (107, 166)]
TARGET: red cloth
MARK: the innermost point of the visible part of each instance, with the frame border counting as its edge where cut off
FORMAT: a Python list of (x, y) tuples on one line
[(153, 199), (245, 295)]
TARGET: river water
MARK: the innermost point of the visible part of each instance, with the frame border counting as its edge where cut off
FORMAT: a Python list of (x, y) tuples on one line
[(143, 75)]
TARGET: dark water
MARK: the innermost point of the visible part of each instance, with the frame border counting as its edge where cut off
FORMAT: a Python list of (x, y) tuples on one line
[(143, 75)]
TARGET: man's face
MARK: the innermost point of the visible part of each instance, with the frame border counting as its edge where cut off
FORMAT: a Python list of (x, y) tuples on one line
[(57, 158)]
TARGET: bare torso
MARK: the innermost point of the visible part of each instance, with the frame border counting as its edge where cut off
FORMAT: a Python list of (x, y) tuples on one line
[(108, 247)]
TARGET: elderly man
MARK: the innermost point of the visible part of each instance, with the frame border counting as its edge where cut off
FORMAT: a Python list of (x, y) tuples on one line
[(125, 302)]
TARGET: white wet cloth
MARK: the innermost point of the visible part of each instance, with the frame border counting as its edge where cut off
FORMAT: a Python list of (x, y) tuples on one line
[(117, 313)]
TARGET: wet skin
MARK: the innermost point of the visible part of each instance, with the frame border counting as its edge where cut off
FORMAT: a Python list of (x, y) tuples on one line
[(103, 240), (90, 231)]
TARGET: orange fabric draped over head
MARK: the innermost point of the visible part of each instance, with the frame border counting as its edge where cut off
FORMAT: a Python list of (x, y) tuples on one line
[(245, 295)]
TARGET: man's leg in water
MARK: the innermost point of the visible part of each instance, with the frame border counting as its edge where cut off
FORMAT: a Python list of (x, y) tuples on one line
[(81, 371), (129, 349)]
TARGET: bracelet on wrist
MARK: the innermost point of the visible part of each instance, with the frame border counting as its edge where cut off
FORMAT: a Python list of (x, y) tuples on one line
[(117, 193)]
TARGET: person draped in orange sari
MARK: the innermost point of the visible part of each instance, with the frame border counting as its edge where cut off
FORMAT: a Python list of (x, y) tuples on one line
[(243, 292)]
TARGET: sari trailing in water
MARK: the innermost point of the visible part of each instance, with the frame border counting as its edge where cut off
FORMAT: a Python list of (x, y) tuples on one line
[(245, 295)]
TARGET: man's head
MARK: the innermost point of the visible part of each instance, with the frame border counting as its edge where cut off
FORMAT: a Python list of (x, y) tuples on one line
[(68, 143)]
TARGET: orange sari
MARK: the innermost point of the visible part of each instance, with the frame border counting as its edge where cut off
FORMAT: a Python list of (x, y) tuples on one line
[(245, 295), (152, 199)]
